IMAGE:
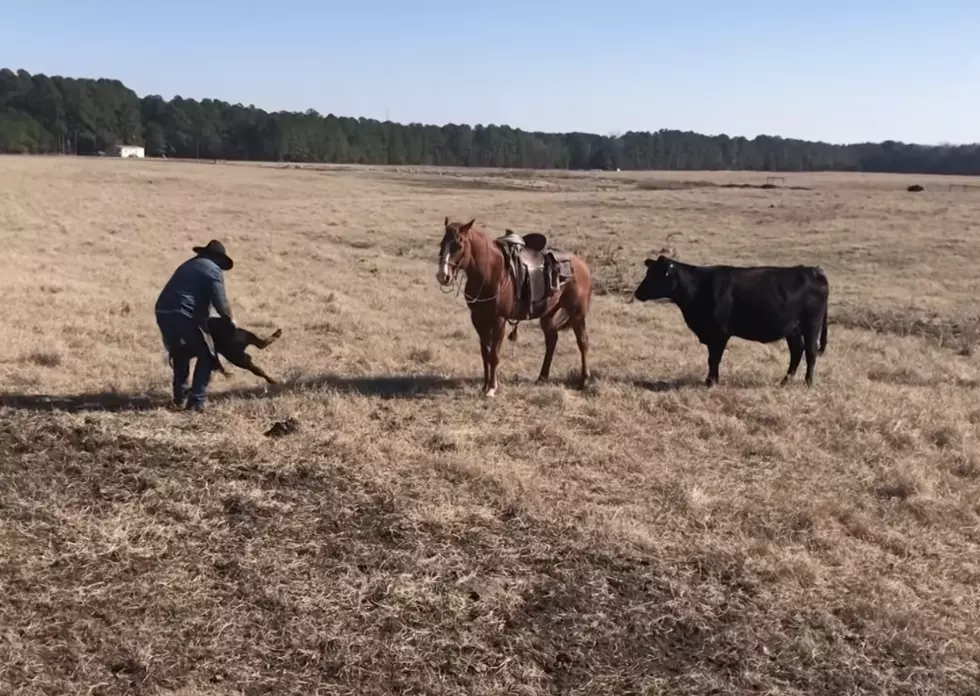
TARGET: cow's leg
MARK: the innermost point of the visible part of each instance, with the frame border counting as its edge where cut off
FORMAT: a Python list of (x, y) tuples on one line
[(550, 342), (716, 348), (810, 335), (582, 337), (498, 331), (795, 342)]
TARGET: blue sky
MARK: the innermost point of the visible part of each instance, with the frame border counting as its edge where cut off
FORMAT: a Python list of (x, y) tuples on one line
[(830, 70)]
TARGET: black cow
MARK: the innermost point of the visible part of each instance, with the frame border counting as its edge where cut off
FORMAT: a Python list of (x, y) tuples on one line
[(756, 303)]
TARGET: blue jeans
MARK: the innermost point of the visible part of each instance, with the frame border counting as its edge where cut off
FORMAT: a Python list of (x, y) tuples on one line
[(185, 339)]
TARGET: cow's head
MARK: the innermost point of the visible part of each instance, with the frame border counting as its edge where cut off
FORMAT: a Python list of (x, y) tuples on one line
[(660, 280)]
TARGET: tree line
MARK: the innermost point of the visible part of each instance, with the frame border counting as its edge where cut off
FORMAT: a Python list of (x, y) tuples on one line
[(82, 116)]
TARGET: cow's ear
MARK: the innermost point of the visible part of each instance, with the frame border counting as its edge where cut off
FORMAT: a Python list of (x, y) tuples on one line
[(649, 262)]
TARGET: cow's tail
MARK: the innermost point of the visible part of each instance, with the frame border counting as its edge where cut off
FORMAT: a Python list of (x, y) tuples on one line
[(826, 310), (823, 335)]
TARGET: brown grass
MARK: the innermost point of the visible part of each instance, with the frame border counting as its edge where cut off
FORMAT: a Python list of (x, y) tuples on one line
[(643, 536)]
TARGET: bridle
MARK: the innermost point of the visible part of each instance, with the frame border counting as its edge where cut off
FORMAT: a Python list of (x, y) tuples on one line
[(457, 287), (453, 273)]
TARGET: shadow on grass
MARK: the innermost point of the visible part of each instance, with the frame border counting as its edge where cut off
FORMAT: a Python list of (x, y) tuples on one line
[(667, 385), (732, 382), (384, 386)]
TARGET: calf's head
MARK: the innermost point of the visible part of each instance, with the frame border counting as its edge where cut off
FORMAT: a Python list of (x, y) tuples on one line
[(659, 282)]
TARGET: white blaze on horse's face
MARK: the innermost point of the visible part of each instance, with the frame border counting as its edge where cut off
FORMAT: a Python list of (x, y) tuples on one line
[(442, 275)]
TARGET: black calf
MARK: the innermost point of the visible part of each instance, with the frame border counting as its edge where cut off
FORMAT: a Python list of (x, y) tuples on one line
[(231, 342)]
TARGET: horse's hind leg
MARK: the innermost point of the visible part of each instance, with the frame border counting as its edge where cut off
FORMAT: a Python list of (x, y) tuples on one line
[(582, 338), (548, 326)]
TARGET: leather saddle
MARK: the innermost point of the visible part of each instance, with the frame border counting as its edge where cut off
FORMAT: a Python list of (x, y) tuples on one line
[(536, 269)]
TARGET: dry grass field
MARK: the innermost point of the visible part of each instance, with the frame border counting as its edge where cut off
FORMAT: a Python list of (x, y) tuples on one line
[(645, 535)]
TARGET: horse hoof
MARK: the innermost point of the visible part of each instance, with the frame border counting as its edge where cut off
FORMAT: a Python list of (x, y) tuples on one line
[(490, 393), (541, 380)]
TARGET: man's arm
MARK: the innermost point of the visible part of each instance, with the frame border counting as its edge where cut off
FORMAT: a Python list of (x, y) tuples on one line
[(219, 299)]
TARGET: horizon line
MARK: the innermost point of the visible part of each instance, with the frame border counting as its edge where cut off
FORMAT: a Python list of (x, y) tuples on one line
[(611, 136)]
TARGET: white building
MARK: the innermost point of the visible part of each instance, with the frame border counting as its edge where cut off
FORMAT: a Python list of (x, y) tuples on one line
[(127, 151)]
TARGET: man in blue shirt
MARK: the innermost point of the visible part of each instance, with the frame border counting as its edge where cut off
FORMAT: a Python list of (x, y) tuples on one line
[(182, 315)]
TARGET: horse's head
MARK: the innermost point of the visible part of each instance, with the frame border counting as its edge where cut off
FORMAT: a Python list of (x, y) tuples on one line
[(454, 250)]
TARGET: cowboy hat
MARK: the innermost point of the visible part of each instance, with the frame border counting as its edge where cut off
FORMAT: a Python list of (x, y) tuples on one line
[(215, 250)]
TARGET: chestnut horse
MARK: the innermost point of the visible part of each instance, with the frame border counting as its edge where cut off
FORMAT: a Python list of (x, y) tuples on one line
[(490, 293)]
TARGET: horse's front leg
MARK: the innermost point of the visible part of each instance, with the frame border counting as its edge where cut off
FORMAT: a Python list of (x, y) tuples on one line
[(484, 331), (498, 327)]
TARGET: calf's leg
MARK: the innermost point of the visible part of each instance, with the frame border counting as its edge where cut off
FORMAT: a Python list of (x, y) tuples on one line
[(249, 365), (263, 343)]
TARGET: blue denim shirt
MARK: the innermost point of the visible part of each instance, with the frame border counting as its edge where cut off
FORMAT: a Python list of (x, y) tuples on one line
[(195, 286)]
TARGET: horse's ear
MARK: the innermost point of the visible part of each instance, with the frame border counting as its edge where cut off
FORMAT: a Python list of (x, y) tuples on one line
[(649, 262), (446, 223), (467, 226)]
